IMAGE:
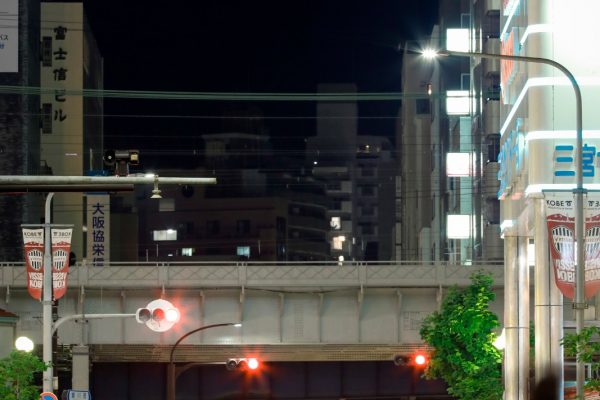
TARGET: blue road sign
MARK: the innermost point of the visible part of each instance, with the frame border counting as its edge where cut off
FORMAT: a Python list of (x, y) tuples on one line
[(48, 396)]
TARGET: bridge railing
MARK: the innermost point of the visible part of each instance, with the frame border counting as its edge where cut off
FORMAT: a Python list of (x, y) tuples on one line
[(264, 274)]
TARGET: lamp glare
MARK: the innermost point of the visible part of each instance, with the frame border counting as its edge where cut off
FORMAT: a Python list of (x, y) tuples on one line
[(24, 344), (429, 53), (252, 363), (172, 315)]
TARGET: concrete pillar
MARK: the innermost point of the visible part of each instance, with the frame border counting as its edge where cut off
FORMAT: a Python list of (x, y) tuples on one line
[(81, 368), (516, 318), (511, 351), (548, 305), (524, 319)]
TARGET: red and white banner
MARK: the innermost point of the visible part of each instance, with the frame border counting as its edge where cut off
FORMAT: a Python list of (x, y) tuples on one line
[(61, 248), (560, 219), (33, 243)]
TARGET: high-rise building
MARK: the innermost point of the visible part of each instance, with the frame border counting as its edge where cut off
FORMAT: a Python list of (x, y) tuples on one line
[(448, 142), (19, 121)]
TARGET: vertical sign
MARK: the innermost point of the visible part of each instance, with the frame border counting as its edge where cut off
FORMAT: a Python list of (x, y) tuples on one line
[(61, 247), (98, 229), (61, 72), (33, 241), (9, 35), (560, 219)]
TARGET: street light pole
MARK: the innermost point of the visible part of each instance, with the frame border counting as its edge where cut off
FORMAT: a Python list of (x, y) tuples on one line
[(29, 182), (47, 376), (579, 304), (171, 376)]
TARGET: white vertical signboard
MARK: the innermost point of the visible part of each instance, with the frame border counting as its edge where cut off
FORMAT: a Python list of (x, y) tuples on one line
[(98, 229), (9, 36)]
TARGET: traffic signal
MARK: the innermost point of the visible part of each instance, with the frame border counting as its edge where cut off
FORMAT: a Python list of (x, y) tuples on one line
[(159, 315), (242, 364), (418, 360)]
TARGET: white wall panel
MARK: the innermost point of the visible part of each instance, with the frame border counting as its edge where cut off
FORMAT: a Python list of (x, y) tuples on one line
[(221, 306), (261, 318), (379, 319), (300, 320), (340, 318)]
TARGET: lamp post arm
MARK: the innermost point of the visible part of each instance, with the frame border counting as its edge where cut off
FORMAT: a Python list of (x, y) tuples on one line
[(62, 320), (194, 331)]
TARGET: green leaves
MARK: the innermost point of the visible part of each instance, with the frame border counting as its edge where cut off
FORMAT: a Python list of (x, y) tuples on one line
[(17, 374), (461, 335), (588, 345)]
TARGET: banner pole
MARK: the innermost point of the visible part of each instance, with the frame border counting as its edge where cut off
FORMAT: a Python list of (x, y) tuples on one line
[(48, 374)]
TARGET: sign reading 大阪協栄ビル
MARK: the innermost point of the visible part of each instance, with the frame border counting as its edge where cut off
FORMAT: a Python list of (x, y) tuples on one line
[(560, 219), (61, 248), (98, 229), (33, 243)]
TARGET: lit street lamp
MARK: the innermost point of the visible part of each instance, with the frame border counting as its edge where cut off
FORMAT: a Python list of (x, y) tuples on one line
[(23, 343), (171, 375), (579, 303)]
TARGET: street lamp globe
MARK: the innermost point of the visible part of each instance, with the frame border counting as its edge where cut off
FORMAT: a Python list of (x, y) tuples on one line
[(429, 53), (23, 343)]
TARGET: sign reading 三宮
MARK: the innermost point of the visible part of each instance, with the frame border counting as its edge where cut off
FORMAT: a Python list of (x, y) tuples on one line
[(564, 160), (98, 229)]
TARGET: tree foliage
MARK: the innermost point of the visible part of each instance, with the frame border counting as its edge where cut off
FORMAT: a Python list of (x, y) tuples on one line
[(461, 336), (589, 347), (17, 376)]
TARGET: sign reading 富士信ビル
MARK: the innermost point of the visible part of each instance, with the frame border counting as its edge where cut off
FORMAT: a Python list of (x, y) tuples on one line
[(560, 219), (33, 243)]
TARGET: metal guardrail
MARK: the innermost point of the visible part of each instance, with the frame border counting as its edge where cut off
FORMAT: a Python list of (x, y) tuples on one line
[(264, 274)]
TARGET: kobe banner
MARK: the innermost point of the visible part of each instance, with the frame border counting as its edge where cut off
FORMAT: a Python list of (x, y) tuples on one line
[(33, 243), (560, 218), (61, 248)]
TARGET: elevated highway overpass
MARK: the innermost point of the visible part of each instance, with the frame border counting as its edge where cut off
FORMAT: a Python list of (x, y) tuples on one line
[(290, 311)]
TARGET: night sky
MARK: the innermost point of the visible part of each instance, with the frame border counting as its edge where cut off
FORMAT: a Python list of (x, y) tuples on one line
[(247, 46)]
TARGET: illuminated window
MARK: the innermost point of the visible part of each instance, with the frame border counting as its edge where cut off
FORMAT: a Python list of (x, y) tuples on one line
[(459, 164), (187, 251), (338, 242), (458, 226), (457, 102), (336, 223), (167, 234), (243, 251), (457, 39)]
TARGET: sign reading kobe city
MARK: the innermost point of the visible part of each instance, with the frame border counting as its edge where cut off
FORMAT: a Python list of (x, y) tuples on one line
[(33, 241), (61, 248), (560, 219)]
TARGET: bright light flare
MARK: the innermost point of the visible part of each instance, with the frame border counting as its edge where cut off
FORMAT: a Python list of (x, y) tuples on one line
[(172, 315), (429, 53), (23, 343), (420, 359), (253, 363)]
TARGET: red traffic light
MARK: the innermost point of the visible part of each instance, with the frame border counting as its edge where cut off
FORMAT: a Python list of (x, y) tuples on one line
[(420, 359), (242, 364), (253, 363)]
